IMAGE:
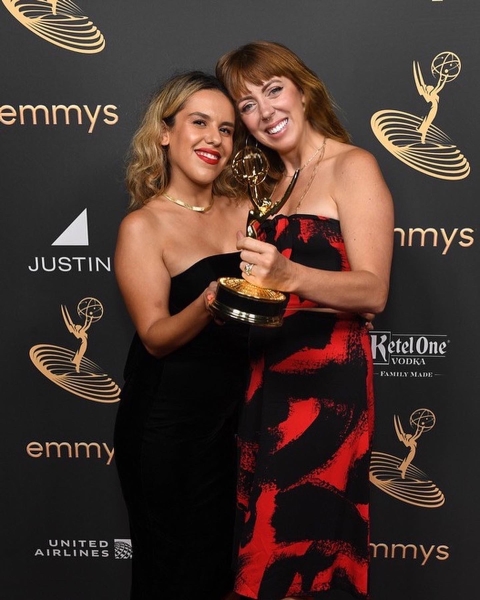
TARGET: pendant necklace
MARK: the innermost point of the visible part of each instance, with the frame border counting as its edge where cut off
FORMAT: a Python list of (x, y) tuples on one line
[(199, 209), (322, 147), (312, 177)]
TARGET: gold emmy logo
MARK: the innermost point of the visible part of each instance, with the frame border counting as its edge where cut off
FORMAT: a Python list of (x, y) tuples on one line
[(60, 22), (399, 477), (71, 370), (415, 140)]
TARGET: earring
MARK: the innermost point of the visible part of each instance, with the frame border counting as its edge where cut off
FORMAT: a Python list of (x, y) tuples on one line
[(254, 141)]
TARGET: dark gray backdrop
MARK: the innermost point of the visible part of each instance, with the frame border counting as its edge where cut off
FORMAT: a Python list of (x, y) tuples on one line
[(65, 530)]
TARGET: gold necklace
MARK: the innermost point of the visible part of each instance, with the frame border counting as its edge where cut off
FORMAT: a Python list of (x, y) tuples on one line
[(200, 209), (322, 147), (312, 177)]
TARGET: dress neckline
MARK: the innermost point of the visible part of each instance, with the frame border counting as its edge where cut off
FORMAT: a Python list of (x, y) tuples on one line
[(200, 261), (304, 216)]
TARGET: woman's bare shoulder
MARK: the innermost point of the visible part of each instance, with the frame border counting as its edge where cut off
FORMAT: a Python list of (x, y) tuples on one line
[(144, 221), (352, 160)]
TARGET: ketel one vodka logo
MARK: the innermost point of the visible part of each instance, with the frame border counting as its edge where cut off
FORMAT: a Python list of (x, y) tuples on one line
[(60, 22), (407, 354), (71, 369), (397, 476), (415, 140)]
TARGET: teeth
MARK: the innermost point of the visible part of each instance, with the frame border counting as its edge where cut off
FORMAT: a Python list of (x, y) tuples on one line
[(208, 155), (278, 127)]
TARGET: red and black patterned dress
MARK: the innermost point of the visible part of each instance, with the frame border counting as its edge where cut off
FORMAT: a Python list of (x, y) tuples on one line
[(305, 438)]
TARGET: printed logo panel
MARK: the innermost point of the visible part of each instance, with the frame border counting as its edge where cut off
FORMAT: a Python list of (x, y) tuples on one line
[(75, 234), (421, 553), (119, 549), (415, 140), (60, 22), (71, 369), (408, 354), (53, 450), (398, 476)]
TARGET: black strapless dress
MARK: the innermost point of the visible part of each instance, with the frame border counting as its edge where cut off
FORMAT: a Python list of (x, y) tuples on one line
[(175, 451)]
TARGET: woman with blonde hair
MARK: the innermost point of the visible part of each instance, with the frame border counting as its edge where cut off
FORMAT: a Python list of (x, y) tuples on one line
[(307, 423), (185, 374)]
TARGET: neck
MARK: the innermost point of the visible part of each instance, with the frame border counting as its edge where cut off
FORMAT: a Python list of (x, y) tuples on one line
[(193, 195), (304, 154), (189, 204)]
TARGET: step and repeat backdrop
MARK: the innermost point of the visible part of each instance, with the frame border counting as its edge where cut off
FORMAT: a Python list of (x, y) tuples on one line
[(74, 80)]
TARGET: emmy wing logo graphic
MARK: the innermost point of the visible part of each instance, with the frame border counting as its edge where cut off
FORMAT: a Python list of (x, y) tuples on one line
[(71, 370), (60, 22), (398, 477), (415, 140)]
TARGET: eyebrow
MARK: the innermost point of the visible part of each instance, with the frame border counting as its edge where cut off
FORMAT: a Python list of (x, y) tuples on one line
[(209, 118), (269, 82)]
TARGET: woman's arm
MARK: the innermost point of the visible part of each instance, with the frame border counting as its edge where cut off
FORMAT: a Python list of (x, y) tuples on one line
[(144, 282), (366, 216)]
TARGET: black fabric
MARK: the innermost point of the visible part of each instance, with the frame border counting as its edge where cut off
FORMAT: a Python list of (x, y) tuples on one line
[(175, 451)]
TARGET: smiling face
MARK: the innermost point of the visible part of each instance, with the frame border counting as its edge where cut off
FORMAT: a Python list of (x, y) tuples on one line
[(201, 140), (274, 114)]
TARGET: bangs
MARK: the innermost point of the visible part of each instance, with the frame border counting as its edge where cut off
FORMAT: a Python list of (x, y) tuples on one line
[(239, 77), (245, 68), (257, 63)]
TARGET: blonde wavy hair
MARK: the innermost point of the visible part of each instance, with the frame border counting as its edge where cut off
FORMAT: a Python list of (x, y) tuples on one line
[(148, 167), (258, 62)]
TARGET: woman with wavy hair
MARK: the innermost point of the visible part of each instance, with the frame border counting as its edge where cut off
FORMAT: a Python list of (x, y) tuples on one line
[(185, 374), (307, 422)]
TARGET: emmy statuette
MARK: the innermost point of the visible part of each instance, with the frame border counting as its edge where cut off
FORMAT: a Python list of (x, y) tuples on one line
[(236, 298)]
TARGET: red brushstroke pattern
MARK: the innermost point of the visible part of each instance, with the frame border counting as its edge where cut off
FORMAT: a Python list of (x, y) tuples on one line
[(305, 439)]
